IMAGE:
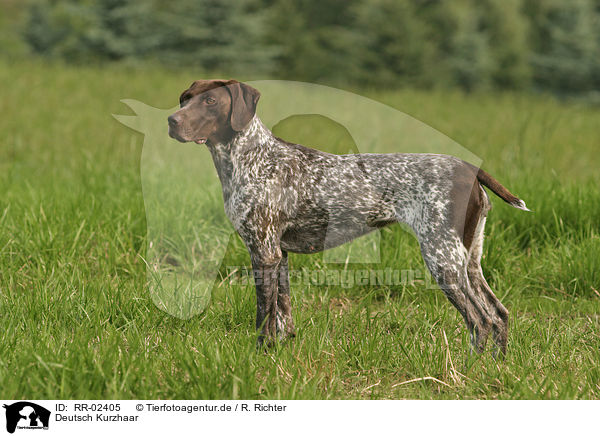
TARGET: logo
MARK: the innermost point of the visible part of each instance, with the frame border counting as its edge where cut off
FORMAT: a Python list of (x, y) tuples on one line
[(26, 415)]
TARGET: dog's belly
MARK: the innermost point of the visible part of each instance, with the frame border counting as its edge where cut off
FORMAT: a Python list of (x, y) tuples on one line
[(314, 235), (306, 242), (303, 241)]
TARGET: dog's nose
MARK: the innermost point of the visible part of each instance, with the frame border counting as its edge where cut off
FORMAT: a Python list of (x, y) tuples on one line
[(173, 120)]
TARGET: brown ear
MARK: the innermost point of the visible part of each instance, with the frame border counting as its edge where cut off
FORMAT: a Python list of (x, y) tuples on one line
[(243, 104), (187, 93)]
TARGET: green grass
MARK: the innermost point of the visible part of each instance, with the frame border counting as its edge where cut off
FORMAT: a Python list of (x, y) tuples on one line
[(77, 319)]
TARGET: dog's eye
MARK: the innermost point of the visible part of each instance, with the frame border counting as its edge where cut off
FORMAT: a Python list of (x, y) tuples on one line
[(210, 100)]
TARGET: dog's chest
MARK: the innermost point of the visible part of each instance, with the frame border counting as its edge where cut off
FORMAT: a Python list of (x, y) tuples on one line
[(235, 208)]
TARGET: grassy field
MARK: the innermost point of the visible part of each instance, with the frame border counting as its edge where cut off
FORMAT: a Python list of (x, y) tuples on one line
[(77, 320)]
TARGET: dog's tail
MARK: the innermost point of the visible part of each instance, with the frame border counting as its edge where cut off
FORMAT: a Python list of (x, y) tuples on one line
[(496, 187)]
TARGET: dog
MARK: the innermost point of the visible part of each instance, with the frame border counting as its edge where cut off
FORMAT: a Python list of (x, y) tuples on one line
[(283, 197)]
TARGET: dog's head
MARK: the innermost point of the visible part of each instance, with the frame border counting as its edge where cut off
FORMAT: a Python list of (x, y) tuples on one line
[(213, 111)]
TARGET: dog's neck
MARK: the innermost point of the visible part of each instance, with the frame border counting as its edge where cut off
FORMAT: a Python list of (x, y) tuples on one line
[(226, 156), (255, 134)]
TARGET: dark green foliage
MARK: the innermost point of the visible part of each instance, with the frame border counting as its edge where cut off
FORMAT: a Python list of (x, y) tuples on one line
[(507, 29), (315, 41), (464, 50), (396, 43), (507, 44), (213, 34), (566, 45)]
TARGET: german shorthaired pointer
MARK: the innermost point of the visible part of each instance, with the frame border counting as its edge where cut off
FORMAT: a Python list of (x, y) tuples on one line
[(284, 197)]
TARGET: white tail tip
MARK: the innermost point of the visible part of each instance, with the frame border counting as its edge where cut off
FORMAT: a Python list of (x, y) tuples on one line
[(520, 204)]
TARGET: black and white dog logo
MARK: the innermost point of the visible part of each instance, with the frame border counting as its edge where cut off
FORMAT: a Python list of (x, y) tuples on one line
[(26, 415)]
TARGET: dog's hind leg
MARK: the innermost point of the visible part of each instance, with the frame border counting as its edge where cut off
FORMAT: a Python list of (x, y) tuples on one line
[(447, 260), (498, 313)]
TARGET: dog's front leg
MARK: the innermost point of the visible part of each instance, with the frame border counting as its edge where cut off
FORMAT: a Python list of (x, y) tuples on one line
[(285, 322), (266, 271)]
